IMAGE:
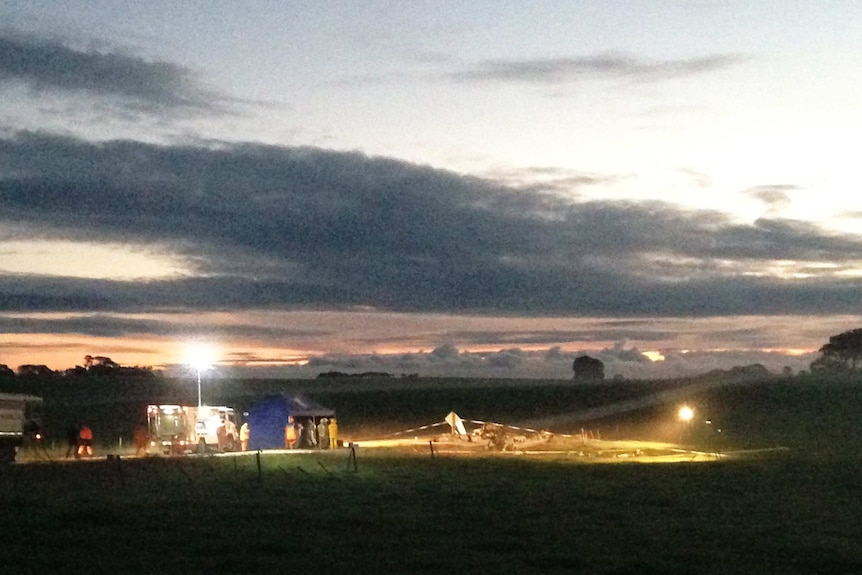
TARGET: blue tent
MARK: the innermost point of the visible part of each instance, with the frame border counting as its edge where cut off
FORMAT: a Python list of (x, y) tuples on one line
[(266, 420)]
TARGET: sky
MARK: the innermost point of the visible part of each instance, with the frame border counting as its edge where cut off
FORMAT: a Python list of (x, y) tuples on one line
[(483, 189)]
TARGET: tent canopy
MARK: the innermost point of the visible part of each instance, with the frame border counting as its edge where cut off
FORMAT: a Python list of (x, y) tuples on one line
[(267, 419)]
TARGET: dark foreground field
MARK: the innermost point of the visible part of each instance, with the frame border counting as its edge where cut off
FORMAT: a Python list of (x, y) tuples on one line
[(796, 509), (406, 512)]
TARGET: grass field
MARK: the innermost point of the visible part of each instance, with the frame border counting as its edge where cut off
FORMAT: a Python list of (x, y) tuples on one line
[(402, 510), (406, 512)]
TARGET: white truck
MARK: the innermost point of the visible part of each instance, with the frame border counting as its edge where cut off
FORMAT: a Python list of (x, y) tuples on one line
[(216, 428), (178, 429), (20, 423)]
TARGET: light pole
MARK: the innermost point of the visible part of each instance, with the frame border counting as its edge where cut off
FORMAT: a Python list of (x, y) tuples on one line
[(199, 386), (199, 359)]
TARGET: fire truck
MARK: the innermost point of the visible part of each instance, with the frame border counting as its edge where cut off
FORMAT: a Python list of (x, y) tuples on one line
[(178, 429), (20, 423)]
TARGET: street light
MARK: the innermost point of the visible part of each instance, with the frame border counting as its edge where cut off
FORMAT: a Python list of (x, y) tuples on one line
[(199, 358)]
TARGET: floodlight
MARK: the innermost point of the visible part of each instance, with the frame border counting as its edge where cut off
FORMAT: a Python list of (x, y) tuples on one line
[(199, 357), (686, 413)]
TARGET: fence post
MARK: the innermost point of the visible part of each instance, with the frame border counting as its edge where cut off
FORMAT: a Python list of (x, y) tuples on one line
[(259, 470), (352, 458), (120, 471)]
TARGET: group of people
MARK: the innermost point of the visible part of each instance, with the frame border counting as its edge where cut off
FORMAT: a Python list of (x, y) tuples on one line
[(307, 434), (298, 434), (79, 440)]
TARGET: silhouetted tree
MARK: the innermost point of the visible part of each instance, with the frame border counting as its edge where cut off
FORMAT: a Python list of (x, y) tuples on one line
[(753, 371), (76, 371), (828, 363), (842, 353), (100, 363), (29, 370), (6, 371), (588, 368)]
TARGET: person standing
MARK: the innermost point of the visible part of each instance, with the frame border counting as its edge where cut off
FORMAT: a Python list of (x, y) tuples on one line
[(290, 434), (323, 433), (243, 436), (221, 436), (300, 434), (142, 439), (311, 433), (85, 443), (333, 433), (72, 441)]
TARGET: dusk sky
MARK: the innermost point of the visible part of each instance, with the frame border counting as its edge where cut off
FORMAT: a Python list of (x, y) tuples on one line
[(483, 188)]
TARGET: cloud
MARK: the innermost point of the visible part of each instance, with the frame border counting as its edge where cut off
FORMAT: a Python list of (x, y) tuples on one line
[(50, 65), (106, 324), (547, 179), (611, 65), (775, 197), (267, 226), (619, 353), (444, 359), (548, 364)]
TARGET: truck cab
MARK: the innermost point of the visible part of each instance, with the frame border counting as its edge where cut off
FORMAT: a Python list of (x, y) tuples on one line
[(20, 423), (171, 428)]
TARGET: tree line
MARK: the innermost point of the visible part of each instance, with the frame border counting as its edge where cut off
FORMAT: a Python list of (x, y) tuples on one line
[(841, 355), (94, 366)]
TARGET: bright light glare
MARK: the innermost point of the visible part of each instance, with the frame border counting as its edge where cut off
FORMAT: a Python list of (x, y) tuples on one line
[(686, 413), (653, 356), (200, 357)]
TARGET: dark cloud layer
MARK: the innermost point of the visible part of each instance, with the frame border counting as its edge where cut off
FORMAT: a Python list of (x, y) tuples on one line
[(302, 227), (44, 64), (600, 66), (109, 325)]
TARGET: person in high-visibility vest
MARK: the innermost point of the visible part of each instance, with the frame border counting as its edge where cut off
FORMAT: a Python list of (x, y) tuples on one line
[(85, 445), (243, 436), (333, 433), (289, 434)]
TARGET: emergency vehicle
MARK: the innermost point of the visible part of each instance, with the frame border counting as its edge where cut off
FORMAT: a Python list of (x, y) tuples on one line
[(20, 423), (216, 428), (178, 429), (171, 429)]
